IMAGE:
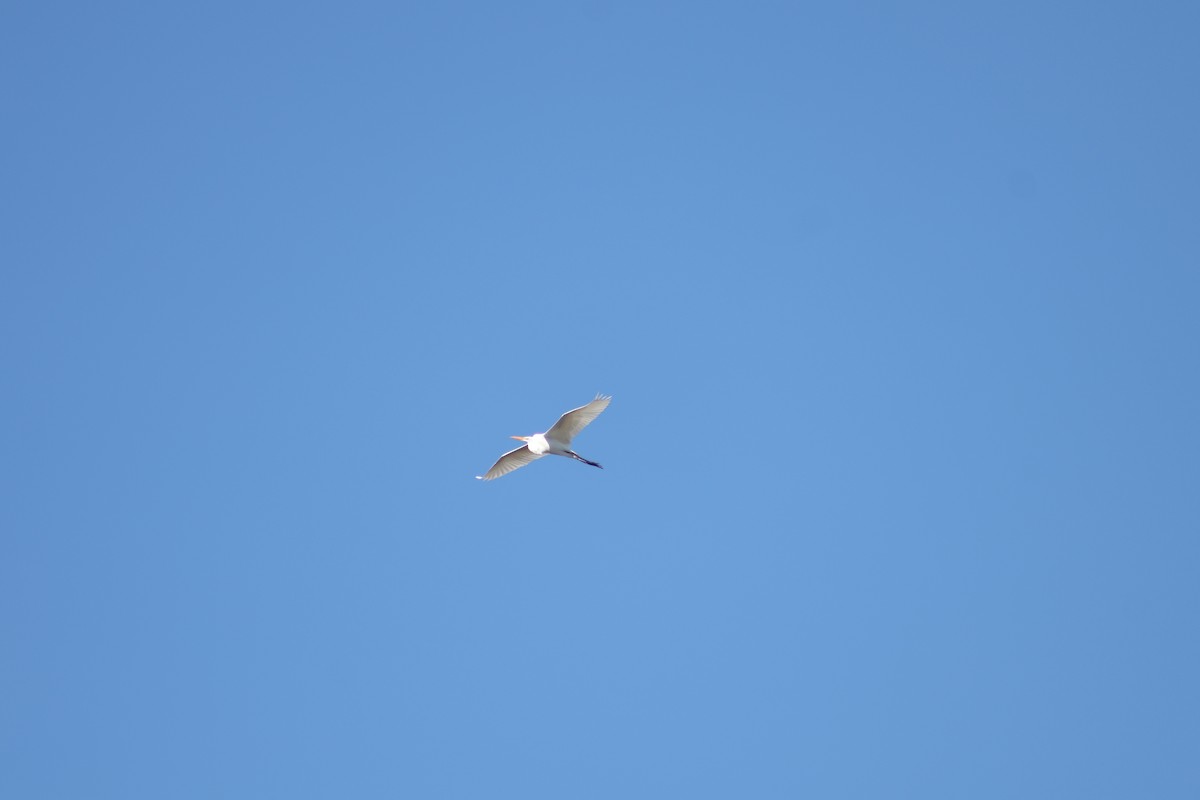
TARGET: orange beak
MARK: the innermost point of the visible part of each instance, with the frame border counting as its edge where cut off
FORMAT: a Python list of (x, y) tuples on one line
[(519, 438)]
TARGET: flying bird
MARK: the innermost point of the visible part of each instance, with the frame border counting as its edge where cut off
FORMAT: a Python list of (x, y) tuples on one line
[(555, 442)]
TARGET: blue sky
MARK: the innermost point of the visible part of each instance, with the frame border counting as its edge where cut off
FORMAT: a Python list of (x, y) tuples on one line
[(898, 306)]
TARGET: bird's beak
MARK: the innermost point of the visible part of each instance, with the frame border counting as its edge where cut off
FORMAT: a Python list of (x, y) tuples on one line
[(519, 438)]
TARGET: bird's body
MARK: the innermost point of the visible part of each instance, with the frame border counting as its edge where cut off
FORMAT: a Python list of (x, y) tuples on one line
[(555, 442), (539, 445)]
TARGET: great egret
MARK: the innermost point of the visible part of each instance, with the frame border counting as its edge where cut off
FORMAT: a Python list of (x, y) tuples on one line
[(555, 442)]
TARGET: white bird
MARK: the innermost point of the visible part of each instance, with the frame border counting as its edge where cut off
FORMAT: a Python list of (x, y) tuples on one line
[(555, 442)]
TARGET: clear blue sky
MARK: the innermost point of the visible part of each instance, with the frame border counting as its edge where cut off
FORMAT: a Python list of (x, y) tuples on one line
[(898, 304)]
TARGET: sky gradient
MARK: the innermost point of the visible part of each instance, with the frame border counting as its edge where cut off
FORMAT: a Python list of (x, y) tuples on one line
[(897, 303)]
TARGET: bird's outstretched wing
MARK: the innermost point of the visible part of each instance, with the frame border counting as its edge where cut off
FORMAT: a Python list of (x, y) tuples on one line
[(572, 422), (513, 459)]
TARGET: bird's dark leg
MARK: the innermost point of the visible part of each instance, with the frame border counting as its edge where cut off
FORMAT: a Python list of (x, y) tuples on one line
[(578, 457)]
